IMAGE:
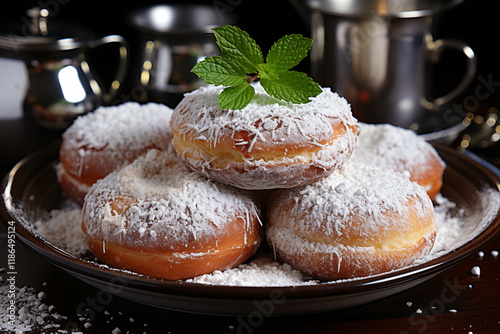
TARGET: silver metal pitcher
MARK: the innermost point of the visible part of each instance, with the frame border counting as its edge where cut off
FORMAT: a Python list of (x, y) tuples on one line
[(47, 79), (59, 83), (377, 54)]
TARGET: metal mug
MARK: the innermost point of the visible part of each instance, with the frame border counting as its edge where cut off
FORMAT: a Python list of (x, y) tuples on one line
[(377, 54)]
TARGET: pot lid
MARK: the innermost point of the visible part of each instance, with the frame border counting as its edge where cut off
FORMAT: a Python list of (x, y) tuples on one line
[(178, 19), (394, 8), (37, 33)]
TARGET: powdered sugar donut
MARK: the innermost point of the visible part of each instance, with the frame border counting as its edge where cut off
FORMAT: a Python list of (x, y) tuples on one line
[(268, 144), (157, 218), (401, 150), (108, 138), (359, 221)]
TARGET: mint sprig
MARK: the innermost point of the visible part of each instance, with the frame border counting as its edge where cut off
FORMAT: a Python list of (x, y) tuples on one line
[(242, 62)]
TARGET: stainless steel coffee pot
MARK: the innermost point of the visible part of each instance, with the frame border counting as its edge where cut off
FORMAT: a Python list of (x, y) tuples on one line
[(377, 54), (60, 83)]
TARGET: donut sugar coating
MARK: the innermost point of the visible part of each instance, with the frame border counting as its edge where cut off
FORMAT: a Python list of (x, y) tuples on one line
[(108, 138), (156, 218), (359, 221), (268, 144), (401, 150)]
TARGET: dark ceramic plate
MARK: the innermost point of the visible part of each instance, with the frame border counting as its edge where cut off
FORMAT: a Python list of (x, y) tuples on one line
[(441, 128), (33, 183)]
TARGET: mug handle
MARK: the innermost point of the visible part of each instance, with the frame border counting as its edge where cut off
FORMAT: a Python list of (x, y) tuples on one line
[(122, 64), (434, 50)]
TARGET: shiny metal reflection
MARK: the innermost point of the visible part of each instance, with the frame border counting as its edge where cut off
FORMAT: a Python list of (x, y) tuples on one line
[(378, 55), (172, 39)]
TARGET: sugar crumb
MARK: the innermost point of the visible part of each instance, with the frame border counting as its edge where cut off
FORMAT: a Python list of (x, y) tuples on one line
[(260, 272), (27, 311), (476, 271)]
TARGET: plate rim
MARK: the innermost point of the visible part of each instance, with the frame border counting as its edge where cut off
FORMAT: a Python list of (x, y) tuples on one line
[(71, 263)]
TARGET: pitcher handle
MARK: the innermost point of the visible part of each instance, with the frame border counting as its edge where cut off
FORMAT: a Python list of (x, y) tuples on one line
[(121, 71), (434, 51)]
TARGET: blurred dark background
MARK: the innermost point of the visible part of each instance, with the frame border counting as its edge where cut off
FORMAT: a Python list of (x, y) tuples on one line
[(477, 22)]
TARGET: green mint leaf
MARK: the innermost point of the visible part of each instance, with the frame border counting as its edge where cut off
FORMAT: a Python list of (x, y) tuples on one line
[(236, 44), (220, 71), (242, 62), (288, 51), (236, 97), (291, 86), (267, 71)]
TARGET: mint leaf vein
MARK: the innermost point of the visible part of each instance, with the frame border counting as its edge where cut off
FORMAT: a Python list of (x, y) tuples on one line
[(237, 44), (288, 51), (242, 62), (220, 71)]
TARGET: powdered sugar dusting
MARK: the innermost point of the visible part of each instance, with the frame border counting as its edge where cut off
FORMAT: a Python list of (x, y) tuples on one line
[(298, 139), (343, 218), (456, 224), (261, 116), (29, 313), (451, 224), (261, 272), (393, 147), (62, 228), (109, 137), (264, 271), (126, 126), (170, 203), (358, 189)]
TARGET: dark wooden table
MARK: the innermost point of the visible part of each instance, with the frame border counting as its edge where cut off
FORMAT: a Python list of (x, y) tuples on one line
[(471, 306)]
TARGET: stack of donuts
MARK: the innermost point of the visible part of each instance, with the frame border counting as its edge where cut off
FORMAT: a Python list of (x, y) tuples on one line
[(175, 194)]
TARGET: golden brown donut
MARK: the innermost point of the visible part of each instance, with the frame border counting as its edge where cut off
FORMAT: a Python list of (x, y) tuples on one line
[(401, 150), (108, 138), (268, 144), (359, 221), (156, 218)]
